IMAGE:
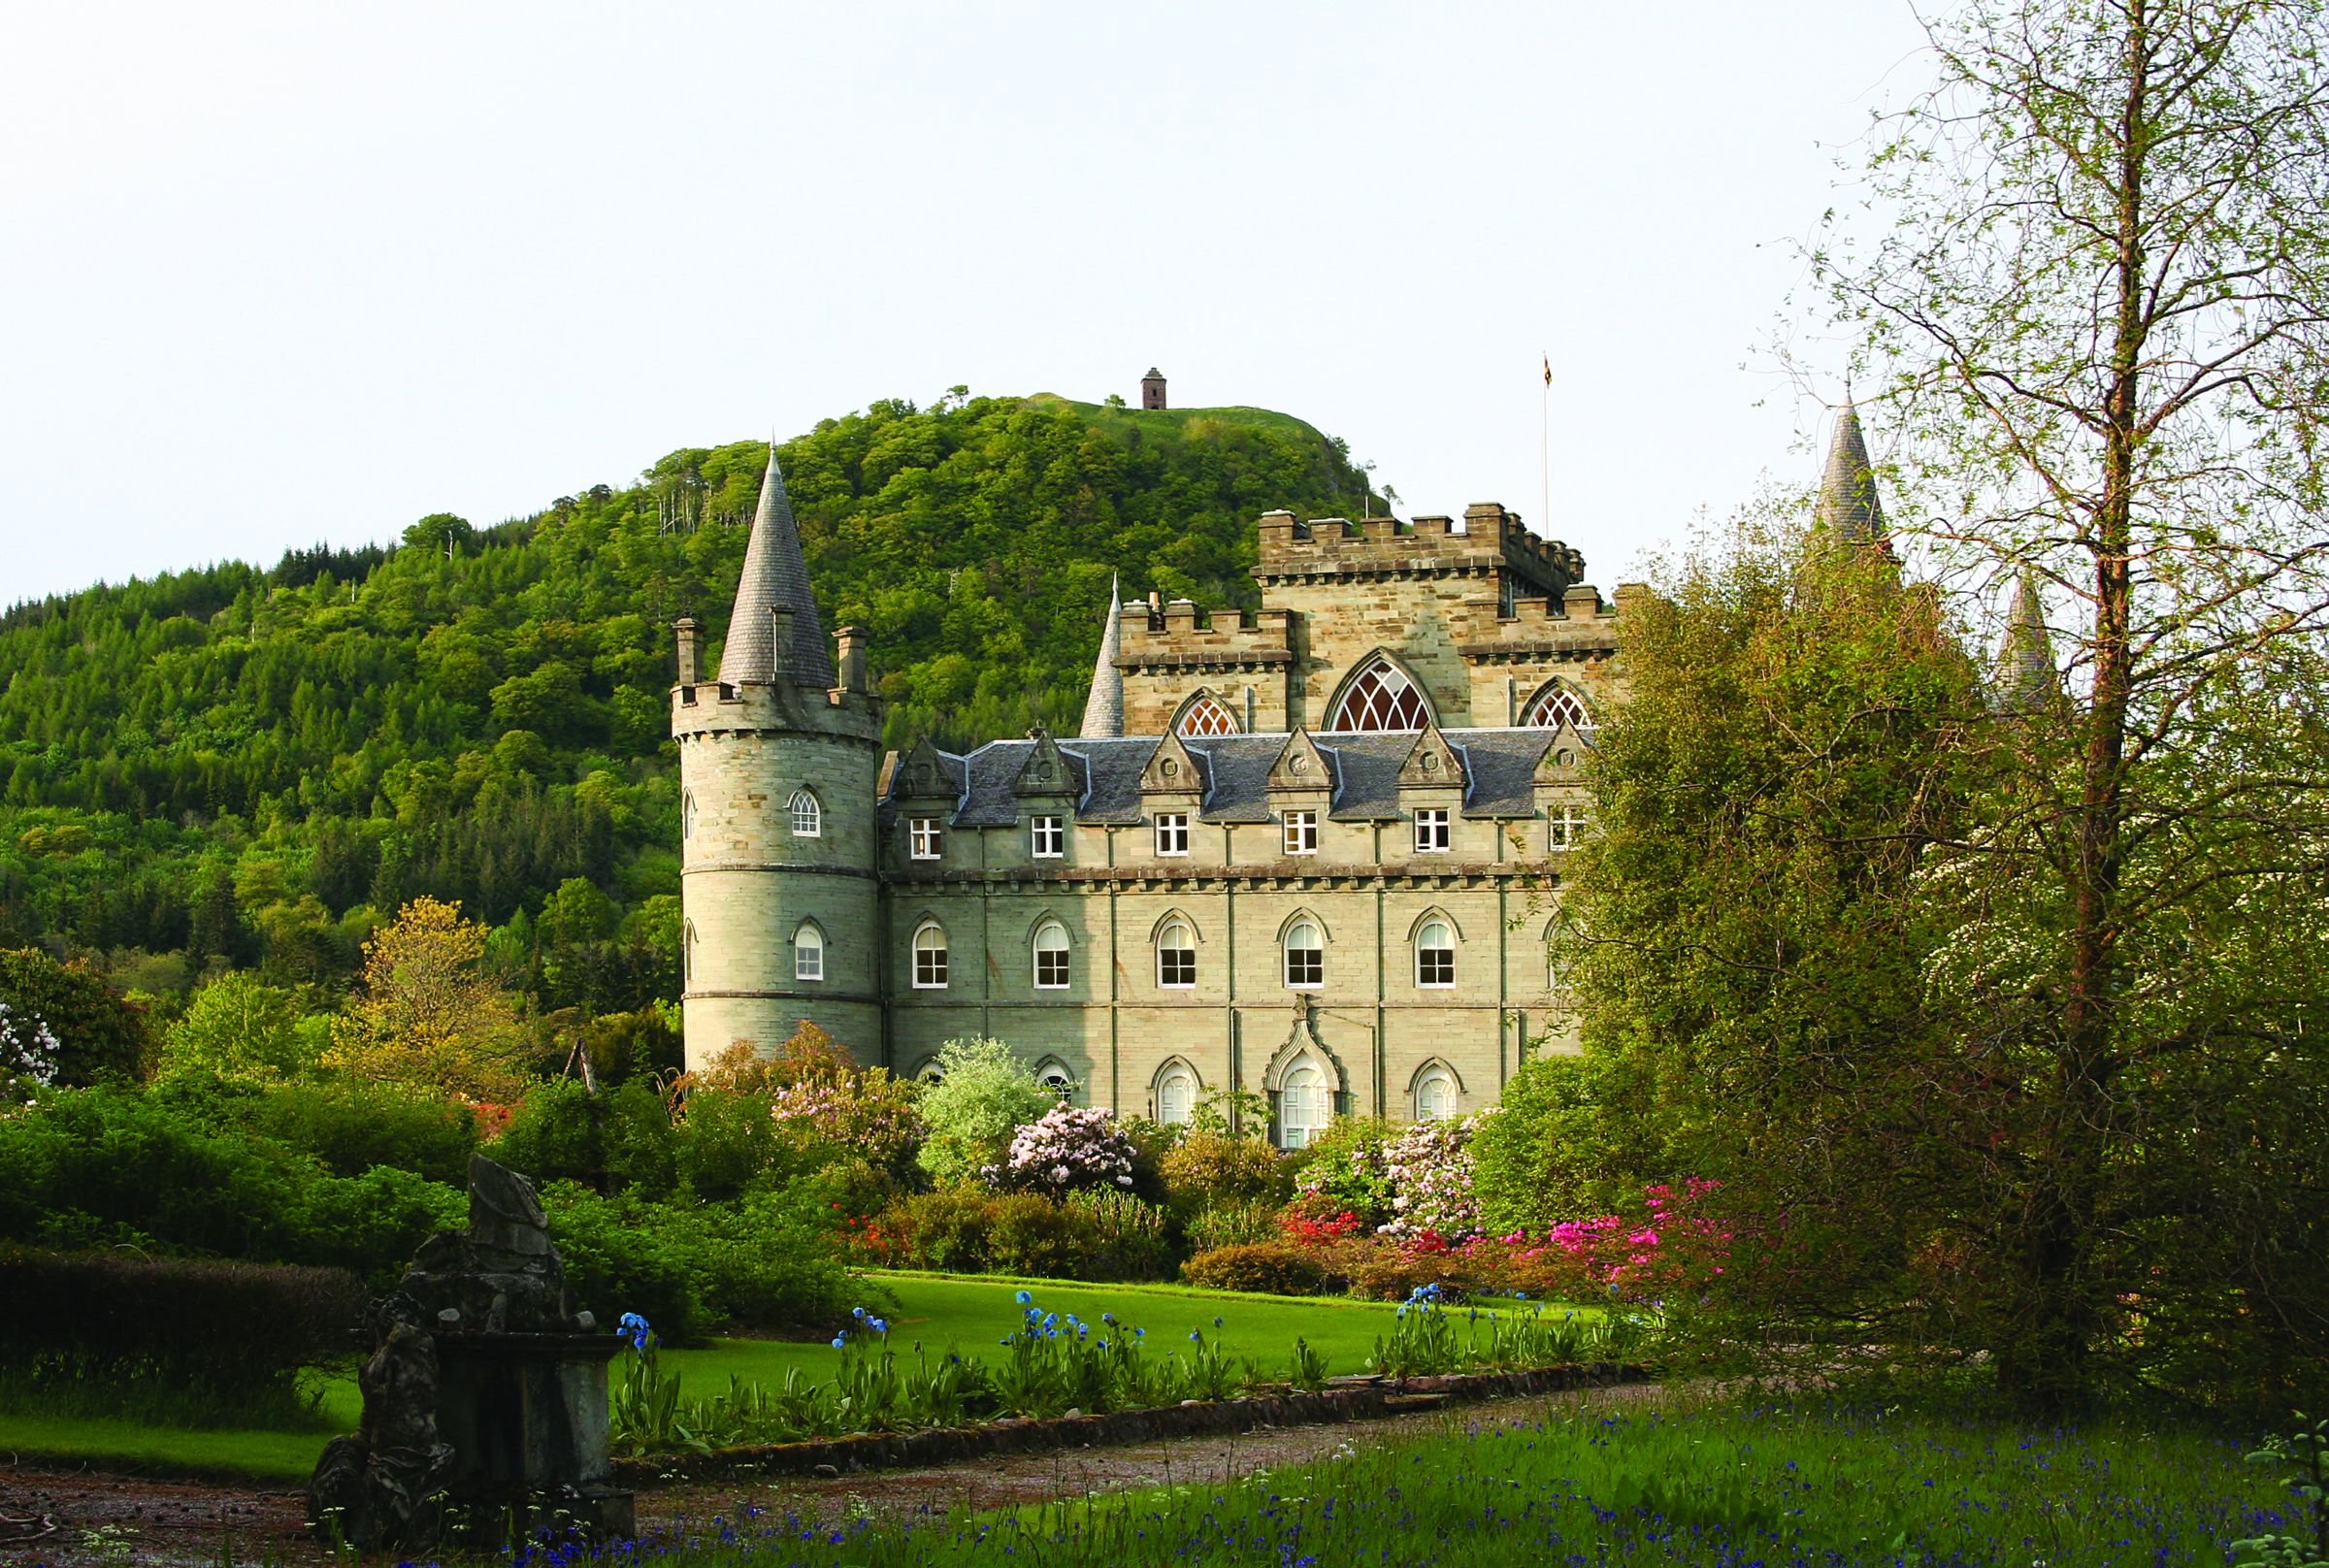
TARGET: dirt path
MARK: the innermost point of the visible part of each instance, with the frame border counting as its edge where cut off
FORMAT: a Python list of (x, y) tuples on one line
[(88, 1519)]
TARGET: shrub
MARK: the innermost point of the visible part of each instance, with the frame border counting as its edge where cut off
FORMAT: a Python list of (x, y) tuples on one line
[(1129, 1236), (240, 1028), (1428, 1167), (562, 1131), (1034, 1236), (871, 1114), (985, 1094), (170, 1339), (945, 1229), (1232, 1225), (1555, 1148), (1068, 1149), (1343, 1172), (352, 1126), (99, 1035), (1208, 1170), (1273, 1267), (28, 1055), (965, 1231)]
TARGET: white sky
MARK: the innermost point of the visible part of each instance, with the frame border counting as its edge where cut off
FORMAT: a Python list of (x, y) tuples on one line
[(274, 274)]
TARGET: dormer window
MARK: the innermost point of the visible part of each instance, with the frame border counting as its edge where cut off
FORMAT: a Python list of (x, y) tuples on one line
[(1172, 833), (1047, 837), (922, 837), (1302, 833), (1431, 830), (1566, 829)]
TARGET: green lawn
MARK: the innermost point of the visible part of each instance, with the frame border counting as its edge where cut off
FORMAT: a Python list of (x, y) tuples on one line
[(940, 1311), (954, 1312)]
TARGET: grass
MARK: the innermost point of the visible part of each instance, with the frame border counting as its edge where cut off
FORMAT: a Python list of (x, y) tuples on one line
[(1722, 1487), (943, 1311), (970, 1312)]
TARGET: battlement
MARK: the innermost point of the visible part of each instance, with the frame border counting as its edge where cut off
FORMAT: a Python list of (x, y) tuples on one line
[(1581, 623), (1181, 635), (1488, 540), (714, 707)]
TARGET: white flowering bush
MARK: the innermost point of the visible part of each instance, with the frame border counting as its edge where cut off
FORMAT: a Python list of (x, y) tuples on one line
[(29, 1054), (1429, 1168), (1069, 1149)]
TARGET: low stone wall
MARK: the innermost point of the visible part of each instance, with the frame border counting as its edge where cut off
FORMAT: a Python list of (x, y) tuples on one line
[(1344, 1399)]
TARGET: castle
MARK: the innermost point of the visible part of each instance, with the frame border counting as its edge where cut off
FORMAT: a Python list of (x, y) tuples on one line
[(1310, 852)]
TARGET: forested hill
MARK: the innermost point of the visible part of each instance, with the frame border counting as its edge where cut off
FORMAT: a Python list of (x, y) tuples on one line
[(245, 765)]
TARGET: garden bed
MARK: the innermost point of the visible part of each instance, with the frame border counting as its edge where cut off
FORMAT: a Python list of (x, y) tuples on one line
[(1344, 1399)]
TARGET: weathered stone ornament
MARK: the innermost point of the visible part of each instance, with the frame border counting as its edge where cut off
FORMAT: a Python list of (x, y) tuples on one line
[(484, 1397)]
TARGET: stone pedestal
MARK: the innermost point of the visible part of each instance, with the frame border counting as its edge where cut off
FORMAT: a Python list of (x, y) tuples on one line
[(525, 1415)]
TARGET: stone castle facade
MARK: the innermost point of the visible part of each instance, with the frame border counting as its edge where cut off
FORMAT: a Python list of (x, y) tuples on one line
[(1310, 852)]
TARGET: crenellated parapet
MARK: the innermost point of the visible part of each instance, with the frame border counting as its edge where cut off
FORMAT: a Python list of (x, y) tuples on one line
[(1179, 636), (1579, 624), (1487, 542)]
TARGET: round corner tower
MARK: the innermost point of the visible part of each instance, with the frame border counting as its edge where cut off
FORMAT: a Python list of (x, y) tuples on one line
[(778, 764)]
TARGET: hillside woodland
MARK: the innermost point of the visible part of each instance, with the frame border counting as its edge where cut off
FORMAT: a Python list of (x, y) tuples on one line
[(239, 767)]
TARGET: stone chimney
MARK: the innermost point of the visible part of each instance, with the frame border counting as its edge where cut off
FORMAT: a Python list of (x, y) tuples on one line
[(852, 644), (691, 649)]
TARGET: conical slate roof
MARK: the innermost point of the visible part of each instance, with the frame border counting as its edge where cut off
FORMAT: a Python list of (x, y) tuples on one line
[(1103, 709), (1848, 505), (2026, 678), (774, 578)]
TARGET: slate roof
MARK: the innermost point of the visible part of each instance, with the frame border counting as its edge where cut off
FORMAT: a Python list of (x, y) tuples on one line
[(1848, 507), (775, 575), (1234, 773), (1104, 709)]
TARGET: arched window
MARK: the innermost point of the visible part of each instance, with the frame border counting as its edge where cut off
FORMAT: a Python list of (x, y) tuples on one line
[(929, 1072), (1305, 957), (1435, 954), (1556, 705), (687, 955), (929, 957), (1436, 1095), (1302, 1105), (1051, 957), (808, 817), (1207, 715), (1176, 956), (809, 952), (1053, 1076), (1381, 698), (1177, 1095), (687, 816)]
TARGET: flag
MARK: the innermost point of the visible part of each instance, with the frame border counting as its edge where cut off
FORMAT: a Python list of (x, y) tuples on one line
[(1547, 370)]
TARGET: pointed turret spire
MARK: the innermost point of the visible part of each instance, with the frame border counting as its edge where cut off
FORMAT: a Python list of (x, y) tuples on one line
[(1849, 508), (2025, 678), (775, 578), (1103, 709)]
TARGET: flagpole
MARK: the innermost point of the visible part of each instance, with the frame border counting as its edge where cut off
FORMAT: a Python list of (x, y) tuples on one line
[(1544, 449)]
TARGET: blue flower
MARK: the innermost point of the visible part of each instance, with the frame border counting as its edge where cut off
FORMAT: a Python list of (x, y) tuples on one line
[(1025, 1296), (1217, 1323), (839, 1340), (859, 1312), (1197, 1336), (1139, 1333), (879, 1326)]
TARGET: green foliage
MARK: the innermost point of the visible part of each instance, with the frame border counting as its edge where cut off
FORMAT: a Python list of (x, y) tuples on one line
[(1212, 1169), (1270, 1268), (254, 766), (2303, 1456), (618, 1139), (353, 1127), (100, 1034), (1342, 1171), (240, 1029), (985, 1093), (1557, 1149), (971, 1230)]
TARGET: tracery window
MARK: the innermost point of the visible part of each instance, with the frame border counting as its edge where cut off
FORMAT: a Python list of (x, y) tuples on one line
[(1435, 1095), (929, 957), (808, 817), (1302, 1105), (1054, 1076), (1051, 957), (1208, 715), (1305, 957), (1381, 698), (1556, 705), (1177, 1095)]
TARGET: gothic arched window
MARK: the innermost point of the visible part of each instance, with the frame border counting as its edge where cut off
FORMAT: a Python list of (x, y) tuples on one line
[(808, 817), (809, 952), (1207, 715), (1305, 957), (1176, 956), (1051, 957), (1177, 1095), (1556, 705), (1381, 698), (1435, 954), (1304, 1105), (1436, 1095), (929, 957)]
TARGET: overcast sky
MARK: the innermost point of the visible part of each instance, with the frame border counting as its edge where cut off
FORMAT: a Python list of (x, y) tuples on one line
[(277, 273)]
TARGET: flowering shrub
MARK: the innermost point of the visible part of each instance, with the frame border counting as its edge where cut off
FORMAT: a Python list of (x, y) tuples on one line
[(1068, 1149), (1673, 1244), (1429, 1169), (983, 1096), (1345, 1173), (29, 1054), (871, 1114), (1323, 1231)]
